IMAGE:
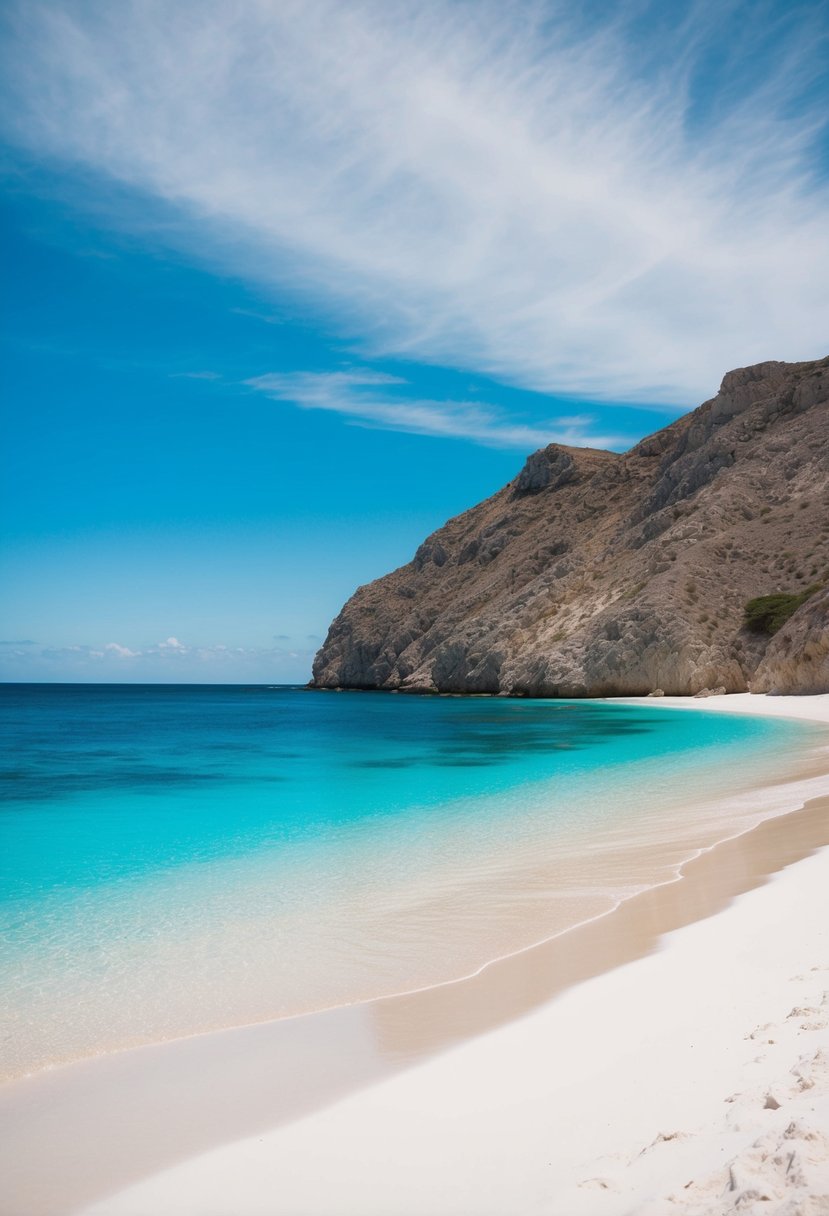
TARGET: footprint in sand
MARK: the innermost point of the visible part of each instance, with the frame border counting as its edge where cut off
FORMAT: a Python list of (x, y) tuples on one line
[(813, 1018), (759, 1031), (600, 1184)]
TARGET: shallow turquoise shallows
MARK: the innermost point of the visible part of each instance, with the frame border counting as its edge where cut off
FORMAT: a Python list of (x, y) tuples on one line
[(180, 858)]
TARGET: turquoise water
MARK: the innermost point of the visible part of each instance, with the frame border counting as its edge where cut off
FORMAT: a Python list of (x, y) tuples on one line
[(179, 858)]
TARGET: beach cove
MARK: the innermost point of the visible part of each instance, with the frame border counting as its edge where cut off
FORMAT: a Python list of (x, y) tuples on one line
[(295, 1076), (414, 629)]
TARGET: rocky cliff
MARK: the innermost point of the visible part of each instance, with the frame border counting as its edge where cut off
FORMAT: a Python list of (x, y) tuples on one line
[(596, 573)]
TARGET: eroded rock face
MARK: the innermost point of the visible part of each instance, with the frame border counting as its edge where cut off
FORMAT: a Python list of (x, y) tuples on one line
[(596, 573)]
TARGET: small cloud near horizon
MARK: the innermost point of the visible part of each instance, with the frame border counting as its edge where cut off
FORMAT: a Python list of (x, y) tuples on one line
[(170, 658)]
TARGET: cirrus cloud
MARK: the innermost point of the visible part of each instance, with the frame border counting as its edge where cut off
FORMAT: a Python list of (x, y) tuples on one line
[(621, 208), (365, 398)]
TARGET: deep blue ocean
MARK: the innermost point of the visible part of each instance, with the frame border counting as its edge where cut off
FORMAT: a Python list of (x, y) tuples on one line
[(176, 858)]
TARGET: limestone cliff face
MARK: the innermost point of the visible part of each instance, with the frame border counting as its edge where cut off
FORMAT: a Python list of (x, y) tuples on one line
[(595, 573)]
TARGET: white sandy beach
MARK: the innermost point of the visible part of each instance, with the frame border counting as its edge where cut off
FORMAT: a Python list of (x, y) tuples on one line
[(694, 1080)]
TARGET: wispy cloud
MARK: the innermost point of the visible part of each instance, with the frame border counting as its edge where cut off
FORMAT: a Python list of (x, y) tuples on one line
[(195, 375), (366, 398), (266, 318), (613, 210)]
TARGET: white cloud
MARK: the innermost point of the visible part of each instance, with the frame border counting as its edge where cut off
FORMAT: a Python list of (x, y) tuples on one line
[(121, 652), (356, 395), (489, 185)]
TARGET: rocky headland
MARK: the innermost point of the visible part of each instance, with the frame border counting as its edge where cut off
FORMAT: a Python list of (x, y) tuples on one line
[(598, 573)]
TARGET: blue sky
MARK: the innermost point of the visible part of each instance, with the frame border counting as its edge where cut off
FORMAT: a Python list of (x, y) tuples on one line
[(290, 284)]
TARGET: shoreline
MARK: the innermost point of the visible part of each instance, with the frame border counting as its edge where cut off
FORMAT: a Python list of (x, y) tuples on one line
[(346, 1049)]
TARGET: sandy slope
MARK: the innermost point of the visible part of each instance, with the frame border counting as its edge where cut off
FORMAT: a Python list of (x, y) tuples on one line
[(695, 1081)]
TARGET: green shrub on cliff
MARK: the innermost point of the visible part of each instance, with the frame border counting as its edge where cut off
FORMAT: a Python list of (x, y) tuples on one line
[(768, 613)]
